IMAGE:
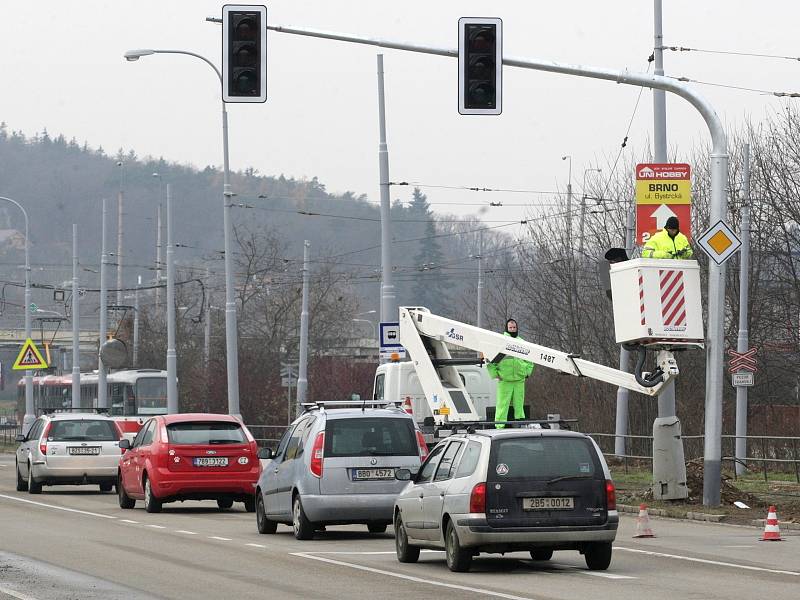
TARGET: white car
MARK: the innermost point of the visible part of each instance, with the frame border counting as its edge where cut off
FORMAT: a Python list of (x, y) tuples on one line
[(68, 449)]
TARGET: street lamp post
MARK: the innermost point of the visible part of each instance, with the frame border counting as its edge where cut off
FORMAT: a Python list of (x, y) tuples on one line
[(159, 257), (231, 341), (120, 200), (30, 416), (569, 201)]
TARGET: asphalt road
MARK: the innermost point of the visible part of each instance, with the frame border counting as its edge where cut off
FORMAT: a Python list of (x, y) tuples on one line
[(75, 543)]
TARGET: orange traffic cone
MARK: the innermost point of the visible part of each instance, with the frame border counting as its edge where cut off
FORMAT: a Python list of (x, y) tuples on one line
[(771, 531), (643, 529)]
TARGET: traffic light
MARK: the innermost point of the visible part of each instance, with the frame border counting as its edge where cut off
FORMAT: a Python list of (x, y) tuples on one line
[(244, 53), (480, 66)]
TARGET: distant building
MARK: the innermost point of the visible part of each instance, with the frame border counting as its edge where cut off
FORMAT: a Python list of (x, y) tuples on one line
[(12, 239)]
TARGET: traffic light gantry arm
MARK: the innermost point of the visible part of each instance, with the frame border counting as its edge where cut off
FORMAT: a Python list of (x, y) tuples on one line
[(419, 322)]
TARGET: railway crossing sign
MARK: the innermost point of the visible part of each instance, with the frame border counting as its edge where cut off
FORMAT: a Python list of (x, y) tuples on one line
[(29, 357), (743, 367)]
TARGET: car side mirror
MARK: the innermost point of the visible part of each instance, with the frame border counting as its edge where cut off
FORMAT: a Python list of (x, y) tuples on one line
[(402, 474), (19, 437), (265, 453), (124, 444)]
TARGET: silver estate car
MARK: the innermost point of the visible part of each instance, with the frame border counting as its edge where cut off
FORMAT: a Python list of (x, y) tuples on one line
[(68, 449), (507, 490), (336, 466)]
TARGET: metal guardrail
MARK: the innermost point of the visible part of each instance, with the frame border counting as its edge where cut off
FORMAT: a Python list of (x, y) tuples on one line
[(267, 436), (8, 433), (776, 452)]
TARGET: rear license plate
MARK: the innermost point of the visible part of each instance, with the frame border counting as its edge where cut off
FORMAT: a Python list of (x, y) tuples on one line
[(372, 474), (211, 461), (84, 450), (548, 503)]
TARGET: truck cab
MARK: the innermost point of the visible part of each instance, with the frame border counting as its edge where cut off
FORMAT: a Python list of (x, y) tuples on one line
[(399, 382)]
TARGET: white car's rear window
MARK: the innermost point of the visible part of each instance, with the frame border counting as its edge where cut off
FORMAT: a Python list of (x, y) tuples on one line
[(83, 431)]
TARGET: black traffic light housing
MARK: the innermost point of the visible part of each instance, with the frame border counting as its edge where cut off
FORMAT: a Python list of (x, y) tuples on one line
[(244, 53), (480, 66)]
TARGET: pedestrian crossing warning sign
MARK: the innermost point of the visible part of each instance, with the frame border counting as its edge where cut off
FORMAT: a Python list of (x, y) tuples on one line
[(29, 357)]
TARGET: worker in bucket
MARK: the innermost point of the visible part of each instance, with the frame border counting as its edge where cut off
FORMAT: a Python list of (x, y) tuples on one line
[(668, 243), (511, 374)]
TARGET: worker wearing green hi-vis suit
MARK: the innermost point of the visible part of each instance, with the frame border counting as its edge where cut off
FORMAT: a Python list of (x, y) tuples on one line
[(511, 374)]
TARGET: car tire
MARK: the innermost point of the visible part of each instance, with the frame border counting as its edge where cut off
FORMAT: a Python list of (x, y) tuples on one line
[(106, 487), (598, 556), (22, 484), (405, 552), (125, 501), (262, 522), (34, 487), (377, 527), (151, 503), (224, 503), (250, 504), (542, 554), (459, 560), (303, 528)]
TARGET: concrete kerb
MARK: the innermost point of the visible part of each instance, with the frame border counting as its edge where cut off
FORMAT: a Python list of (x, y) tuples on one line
[(699, 516)]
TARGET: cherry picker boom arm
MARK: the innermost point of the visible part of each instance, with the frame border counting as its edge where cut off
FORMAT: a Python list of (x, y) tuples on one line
[(425, 335)]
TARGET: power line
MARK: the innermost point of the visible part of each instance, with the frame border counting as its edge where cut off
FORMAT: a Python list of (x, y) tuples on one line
[(730, 52)]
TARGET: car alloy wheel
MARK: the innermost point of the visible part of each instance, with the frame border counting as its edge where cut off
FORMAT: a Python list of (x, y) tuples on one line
[(22, 484), (405, 553), (458, 559), (33, 487), (303, 528), (263, 523), (151, 503)]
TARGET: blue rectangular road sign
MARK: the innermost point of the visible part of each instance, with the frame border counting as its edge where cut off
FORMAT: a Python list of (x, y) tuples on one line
[(390, 335)]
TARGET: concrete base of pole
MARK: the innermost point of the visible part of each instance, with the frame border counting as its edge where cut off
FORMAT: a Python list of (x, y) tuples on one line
[(712, 477), (669, 464)]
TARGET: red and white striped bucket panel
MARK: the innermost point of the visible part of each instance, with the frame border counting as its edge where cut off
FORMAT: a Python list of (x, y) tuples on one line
[(673, 300), (641, 297)]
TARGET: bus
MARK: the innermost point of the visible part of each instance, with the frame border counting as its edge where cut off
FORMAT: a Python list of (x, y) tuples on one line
[(134, 395)]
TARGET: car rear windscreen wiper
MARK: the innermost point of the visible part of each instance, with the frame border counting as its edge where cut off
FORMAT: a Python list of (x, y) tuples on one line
[(568, 477)]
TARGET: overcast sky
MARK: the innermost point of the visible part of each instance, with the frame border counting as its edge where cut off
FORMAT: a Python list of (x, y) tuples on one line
[(62, 68)]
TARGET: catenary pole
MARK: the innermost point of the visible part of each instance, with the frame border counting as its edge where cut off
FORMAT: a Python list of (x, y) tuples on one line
[(743, 339), (172, 357), (120, 209), (718, 210), (621, 425), (389, 311), (302, 377), (479, 320), (102, 387), (76, 324), (136, 323)]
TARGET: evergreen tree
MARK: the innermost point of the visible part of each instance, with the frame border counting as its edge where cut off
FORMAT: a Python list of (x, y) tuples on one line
[(428, 286)]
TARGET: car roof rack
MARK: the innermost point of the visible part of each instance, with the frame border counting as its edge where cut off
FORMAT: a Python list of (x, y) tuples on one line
[(473, 426), (51, 411), (362, 404)]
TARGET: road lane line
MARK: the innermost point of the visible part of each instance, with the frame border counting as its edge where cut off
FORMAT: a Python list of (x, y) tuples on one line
[(13, 594), (53, 506), (374, 552), (186, 532), (737, 546), (708, 562), (157, 526), (576, 569), (128, 521), (256, 545), (452, 586), (222, 539)]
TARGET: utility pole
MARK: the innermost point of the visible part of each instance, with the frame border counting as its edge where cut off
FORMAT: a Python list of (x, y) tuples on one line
[(569, 202), (136, 323), (302, 377), (172, 358), (102, 387), (389, 310), (583, 214), (76, 324), (743, 341), (621, 425), (120, 202), (207, 329), (159, 256), (480, 279)]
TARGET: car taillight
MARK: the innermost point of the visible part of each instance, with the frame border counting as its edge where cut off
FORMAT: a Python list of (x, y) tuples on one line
[(611, 495), (423, 447), (43, 440), (477, 499), (317, 454)]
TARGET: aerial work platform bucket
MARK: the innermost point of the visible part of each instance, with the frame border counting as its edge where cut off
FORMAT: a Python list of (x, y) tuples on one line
[(657, 303)]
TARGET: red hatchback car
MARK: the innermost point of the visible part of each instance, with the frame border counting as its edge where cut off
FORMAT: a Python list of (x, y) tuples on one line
[(189, 457)]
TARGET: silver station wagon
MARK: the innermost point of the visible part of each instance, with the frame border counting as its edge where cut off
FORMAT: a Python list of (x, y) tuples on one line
[(336, 466), (68, 449), (498, 491)]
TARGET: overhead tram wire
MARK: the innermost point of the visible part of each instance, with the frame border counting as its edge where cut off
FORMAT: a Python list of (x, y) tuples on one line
[(730, 52)]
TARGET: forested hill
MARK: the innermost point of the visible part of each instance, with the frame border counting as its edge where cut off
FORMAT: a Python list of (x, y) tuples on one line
[(61, 182)]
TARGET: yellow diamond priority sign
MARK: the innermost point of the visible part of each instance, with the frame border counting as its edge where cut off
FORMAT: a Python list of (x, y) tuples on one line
[(719, 242), (29, 357)]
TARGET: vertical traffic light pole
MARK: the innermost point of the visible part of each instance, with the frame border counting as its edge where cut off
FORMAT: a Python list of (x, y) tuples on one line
[(718, 210)]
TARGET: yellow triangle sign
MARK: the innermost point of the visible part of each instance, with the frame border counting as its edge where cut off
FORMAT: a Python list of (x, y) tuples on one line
[(29, 357)]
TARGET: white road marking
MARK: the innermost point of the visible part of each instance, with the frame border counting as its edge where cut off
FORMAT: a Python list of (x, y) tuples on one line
[(13, 594), (157, 526), (53, 506), (381, 552), (222, 539), (576, 569), (256, 545), (708, 562), (452, 586), (128, 521), (186, 532), (738, 546)]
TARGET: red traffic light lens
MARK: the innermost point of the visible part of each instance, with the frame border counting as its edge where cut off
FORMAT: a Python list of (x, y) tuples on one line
[(245, 29), (481, 40)]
